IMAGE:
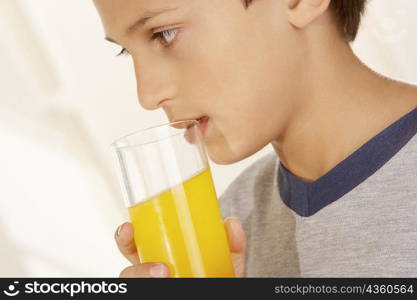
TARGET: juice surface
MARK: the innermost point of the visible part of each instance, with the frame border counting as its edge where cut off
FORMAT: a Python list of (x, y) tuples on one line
[(183, 228)]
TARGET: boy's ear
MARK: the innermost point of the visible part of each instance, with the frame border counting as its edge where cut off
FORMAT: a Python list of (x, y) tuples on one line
[(300, 13)]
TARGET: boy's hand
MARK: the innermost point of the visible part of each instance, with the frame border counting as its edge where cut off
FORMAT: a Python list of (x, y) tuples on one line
[(293, 4), (124, 239), (237, 244)]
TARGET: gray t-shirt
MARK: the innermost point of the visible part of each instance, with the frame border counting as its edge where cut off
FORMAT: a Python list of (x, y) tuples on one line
[(358, 220)]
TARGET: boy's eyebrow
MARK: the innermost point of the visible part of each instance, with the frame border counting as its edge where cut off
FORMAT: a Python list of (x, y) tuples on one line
[(143, 20)]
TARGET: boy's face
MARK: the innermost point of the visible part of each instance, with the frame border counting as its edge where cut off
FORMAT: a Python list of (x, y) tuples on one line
[(235, 65)]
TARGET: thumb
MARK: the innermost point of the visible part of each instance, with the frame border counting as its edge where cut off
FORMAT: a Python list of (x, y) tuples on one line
[(235, 234)]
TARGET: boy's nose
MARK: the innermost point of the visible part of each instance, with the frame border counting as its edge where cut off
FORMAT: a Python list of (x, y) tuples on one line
[(150, 103), (154, 91), (154, 88)]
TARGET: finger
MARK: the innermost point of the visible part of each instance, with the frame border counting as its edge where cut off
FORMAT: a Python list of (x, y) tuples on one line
[(146, 270), (237, 243), (236, 235), (293, 4), (126, 243)]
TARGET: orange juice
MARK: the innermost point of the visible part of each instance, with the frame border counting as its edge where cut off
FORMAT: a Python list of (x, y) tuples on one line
[(183, 228)]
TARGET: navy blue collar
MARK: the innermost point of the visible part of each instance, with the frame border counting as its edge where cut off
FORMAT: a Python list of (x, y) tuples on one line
[(306, 198)]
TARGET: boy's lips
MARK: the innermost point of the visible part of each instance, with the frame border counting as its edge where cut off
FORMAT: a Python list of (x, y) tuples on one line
[(191, 118), (202, 122)]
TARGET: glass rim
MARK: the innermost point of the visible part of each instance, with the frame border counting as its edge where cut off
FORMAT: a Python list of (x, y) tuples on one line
[(138, 131)]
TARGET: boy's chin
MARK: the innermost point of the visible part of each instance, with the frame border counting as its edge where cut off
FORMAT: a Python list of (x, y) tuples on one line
[(222, 160), (224, 156)]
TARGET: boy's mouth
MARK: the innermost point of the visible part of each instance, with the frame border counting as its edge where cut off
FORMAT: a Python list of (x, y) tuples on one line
[(203, 118), (202, 122)]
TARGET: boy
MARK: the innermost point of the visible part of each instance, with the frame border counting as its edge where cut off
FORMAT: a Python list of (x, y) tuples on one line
[(338, 196)]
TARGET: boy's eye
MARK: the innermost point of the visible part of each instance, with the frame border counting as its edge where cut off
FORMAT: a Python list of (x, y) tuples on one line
[(167, 37)]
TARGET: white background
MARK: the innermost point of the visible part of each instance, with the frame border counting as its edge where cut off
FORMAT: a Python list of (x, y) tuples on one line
[(64, 98)]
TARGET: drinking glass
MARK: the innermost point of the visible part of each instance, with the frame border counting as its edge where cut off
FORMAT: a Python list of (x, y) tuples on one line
[(171, 199)]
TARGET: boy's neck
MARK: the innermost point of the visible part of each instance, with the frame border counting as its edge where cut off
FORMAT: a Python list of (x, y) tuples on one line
[(340, 105)]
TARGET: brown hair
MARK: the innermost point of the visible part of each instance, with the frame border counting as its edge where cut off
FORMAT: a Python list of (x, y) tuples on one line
[(348, 15)]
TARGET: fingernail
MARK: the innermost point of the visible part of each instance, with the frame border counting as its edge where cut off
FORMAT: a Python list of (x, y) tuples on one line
[(119, 229), (158, 270)]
